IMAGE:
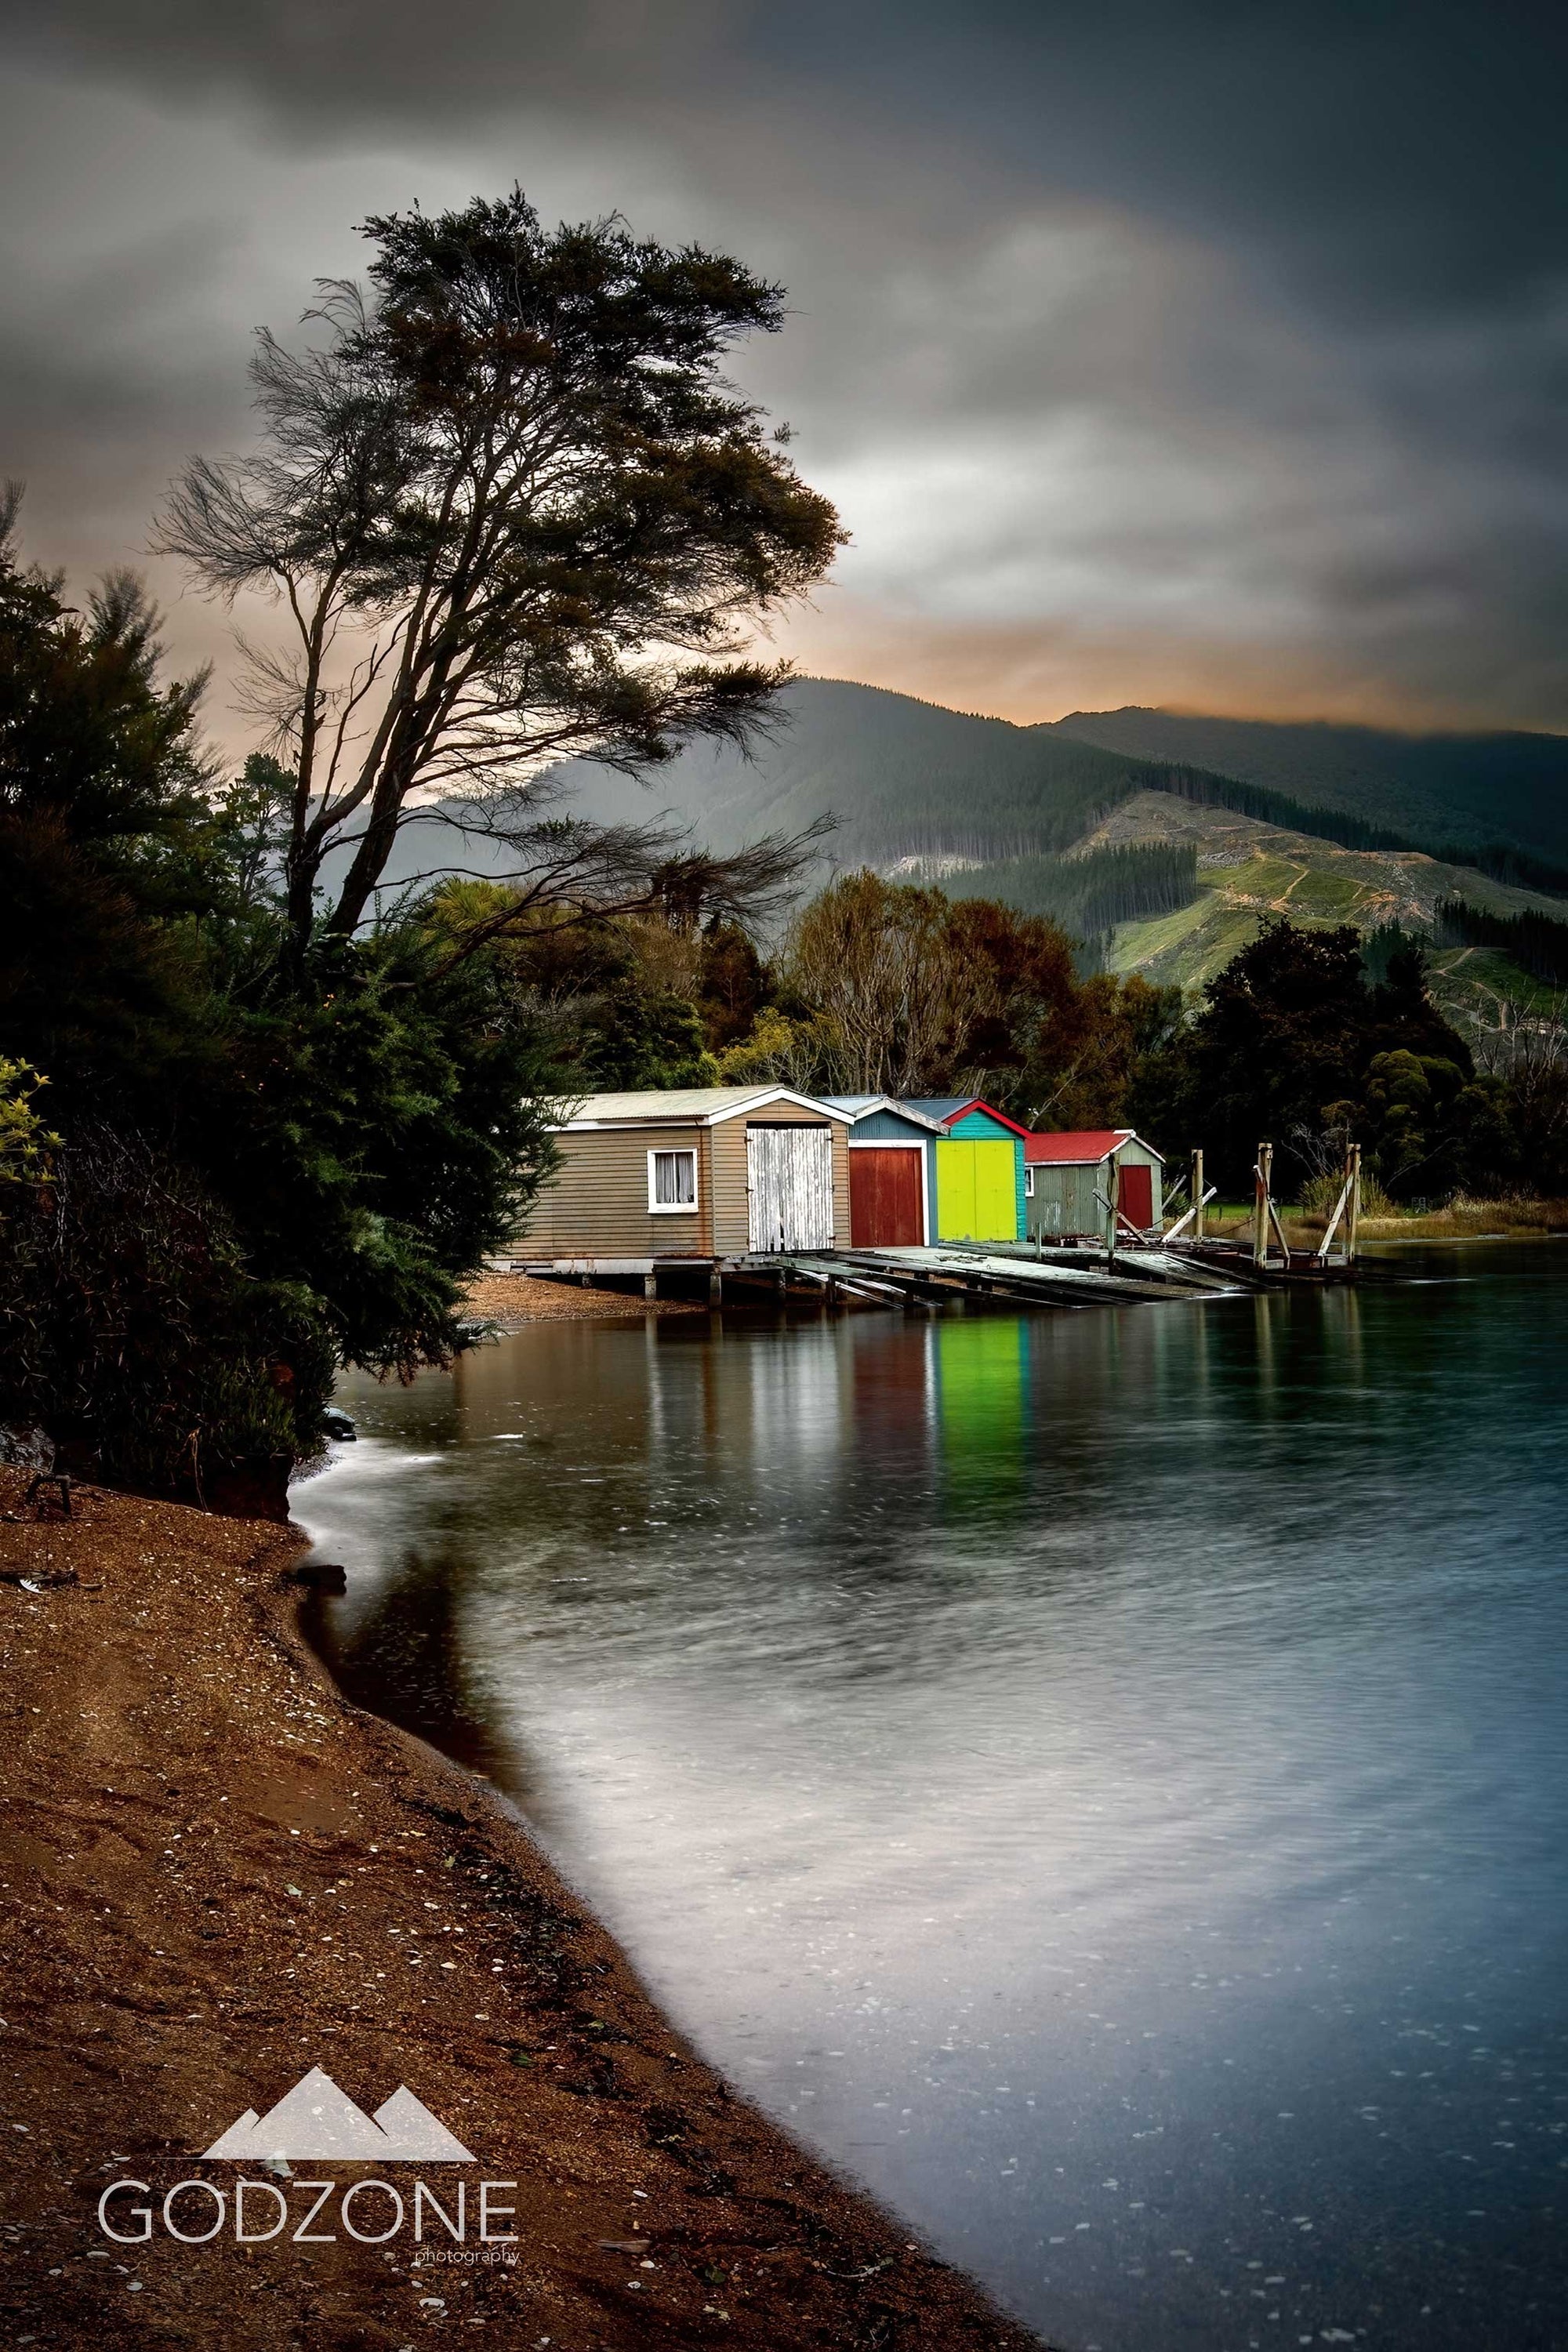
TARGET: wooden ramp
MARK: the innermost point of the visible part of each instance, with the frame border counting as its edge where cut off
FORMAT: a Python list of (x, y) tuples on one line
[(956, 1272)]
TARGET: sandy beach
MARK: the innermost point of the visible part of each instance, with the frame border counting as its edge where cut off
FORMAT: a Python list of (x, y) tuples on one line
[(511, 1300), (218, 1875)]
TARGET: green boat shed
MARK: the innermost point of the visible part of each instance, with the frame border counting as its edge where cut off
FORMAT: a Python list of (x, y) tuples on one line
[(975, 1169)]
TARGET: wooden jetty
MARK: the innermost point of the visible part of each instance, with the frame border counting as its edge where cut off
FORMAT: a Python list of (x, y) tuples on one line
[(1022, 1273), (958, 1273)]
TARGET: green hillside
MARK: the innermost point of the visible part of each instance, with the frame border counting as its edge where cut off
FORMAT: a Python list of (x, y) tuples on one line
[(1246, 871), (1472, 792)]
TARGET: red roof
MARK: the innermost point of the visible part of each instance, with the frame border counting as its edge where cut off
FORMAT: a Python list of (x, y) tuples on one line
[(1085, 1147), (976, 1102)]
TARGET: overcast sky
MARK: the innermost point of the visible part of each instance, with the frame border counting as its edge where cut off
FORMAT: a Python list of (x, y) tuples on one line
[(1198, 351)]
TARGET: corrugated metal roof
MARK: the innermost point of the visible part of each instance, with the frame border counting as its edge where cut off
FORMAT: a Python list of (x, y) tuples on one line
[(1081, 1147), (938, 1107), (665, 1105), (859, 1106)]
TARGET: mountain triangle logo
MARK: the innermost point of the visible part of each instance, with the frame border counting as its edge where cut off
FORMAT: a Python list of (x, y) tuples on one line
[(316, 2122)]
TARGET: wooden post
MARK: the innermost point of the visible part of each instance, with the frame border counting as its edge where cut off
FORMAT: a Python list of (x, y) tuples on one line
[(1197, 1196), (715, 1288), (1262, 1175), (651, 1285), (1113, 1191), (1352, 1170)]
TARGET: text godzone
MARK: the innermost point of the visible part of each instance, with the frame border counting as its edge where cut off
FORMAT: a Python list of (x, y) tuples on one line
[(455, 2224)]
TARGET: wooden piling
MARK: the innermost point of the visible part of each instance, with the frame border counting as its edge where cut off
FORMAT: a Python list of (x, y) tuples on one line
[(1197, 1196), (1262, 1175)]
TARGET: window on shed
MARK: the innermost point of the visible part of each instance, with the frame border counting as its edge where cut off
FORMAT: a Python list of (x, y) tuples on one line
[(1029, 1183), (672, 1180)]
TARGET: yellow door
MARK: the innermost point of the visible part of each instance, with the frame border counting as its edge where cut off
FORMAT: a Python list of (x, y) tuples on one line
[(976, 1191)]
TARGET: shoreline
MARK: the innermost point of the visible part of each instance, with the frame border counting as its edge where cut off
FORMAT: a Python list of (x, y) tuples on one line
[(510, 1302), (217, 1873)]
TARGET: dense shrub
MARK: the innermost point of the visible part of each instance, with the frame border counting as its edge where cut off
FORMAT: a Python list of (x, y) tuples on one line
[(130, 1328)]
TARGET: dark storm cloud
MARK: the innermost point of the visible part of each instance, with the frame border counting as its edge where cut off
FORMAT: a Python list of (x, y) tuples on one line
[(1153, 352)]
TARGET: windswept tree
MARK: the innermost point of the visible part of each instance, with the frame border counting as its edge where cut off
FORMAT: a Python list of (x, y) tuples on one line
[(513, 511)]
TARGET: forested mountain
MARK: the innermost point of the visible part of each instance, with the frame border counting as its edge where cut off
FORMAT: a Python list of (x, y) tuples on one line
[(902, 778), (907, 778), (983, 805)]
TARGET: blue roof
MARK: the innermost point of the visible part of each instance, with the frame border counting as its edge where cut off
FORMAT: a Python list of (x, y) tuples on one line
[(938, 1107), (859, 1106)]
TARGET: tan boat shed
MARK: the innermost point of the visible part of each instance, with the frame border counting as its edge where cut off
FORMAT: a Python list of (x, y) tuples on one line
[(690, 1175)]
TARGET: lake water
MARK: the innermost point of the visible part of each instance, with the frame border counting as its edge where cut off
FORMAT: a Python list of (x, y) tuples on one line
[(1098, 1777)]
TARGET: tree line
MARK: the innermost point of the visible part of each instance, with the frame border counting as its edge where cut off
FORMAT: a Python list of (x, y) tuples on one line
[(1537, 943)]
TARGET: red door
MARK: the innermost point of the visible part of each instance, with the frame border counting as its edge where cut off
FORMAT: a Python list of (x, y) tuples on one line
[(885, 1196), (1137, 1201)]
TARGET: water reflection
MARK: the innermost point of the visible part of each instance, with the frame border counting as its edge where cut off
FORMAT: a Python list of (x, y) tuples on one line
[(1097, 1774)]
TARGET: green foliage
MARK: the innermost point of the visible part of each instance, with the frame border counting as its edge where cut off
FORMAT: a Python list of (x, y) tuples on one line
[(1382, 947), (782, 1049), (1418, 1113), (87, 733), (378, 1130), (289, 1133), (731, 984), (24, 1140), (615, 1000), (1292, 1042), (130, 1327), (639, 1040)]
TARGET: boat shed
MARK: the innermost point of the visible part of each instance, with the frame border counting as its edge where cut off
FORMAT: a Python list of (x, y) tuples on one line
[(890, 1172), (690, 1174), (976, 1169), (1067, 1181)]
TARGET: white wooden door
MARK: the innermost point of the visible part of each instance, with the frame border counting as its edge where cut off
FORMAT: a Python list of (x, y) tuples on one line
[(789, 1187)]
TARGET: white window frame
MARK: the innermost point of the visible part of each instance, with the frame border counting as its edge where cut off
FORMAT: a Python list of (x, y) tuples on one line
[(1028, 1180), (672, 1208)]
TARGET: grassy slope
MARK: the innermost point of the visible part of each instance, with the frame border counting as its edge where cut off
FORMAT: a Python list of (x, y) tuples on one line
[(1248, 870)]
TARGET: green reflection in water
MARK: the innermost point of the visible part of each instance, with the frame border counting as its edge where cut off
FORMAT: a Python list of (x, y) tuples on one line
[(981, 1376)]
